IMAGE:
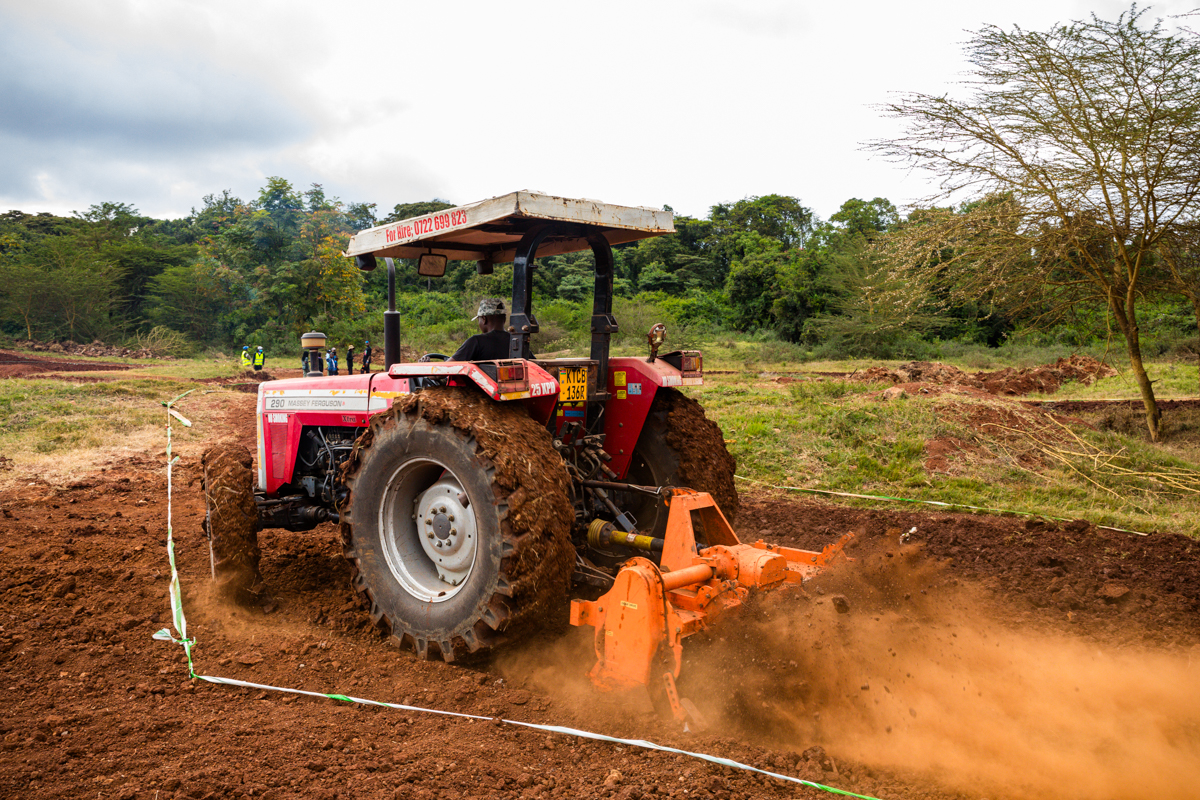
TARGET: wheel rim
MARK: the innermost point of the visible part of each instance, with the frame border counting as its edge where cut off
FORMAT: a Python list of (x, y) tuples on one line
[(428, 531), (644, 508)]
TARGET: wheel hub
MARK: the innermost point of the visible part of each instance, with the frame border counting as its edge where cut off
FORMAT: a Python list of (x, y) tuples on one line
[(447, 530), (427, 531)]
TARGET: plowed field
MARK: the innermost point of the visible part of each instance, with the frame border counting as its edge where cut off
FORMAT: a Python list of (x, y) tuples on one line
[(958, 657)]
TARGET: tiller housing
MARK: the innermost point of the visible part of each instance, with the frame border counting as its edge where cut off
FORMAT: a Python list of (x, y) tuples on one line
[(641, 621)]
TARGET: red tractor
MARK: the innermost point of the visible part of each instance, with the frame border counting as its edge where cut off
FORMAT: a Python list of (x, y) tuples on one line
[(472, 496)]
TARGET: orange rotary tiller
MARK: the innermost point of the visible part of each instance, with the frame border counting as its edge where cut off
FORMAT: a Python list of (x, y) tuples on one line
[(641, 621)]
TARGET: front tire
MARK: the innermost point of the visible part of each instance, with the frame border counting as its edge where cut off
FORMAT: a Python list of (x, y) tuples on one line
[(231, 524), (457, 524)]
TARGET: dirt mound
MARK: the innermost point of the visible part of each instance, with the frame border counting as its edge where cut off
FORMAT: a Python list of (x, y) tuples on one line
[(95, 349), (1045, 379), (995, 429), (18, 365), (949, 454), (245, 381), (999, 429)]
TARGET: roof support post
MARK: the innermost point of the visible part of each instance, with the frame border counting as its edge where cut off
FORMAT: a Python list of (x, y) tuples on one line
[(604, 324), (522, 322)]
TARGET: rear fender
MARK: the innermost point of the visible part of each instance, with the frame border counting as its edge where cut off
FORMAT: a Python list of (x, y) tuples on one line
[(632, 385), (532, 385)]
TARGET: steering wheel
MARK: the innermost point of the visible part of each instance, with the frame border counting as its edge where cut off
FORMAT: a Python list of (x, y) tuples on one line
[(429, 381)]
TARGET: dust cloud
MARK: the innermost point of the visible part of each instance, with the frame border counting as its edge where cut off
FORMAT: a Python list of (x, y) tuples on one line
[(921, 675), (556, 665)]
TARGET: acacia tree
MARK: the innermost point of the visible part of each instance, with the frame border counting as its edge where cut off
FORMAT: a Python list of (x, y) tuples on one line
[(1085, 143)]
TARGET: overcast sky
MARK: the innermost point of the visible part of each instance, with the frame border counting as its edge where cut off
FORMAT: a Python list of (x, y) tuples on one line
[(157, 103)]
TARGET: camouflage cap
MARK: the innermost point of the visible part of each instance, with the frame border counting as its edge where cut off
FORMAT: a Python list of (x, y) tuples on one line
[(490, 306)]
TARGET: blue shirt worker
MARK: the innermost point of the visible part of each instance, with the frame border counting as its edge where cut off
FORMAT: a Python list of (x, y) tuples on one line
[(367, 359), (331, 360)]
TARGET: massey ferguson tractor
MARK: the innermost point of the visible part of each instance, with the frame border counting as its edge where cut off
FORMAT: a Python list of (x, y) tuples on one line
[(474, 499)]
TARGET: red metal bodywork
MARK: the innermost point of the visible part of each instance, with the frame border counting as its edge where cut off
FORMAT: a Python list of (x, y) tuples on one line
[(632, 384), (287, 407)]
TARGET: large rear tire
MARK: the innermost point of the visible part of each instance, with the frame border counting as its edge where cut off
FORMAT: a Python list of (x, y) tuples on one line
[(680, 446), (231, 524), (457, 523)]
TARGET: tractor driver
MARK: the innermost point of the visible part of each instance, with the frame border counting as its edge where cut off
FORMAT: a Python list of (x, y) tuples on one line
[(491, 343)]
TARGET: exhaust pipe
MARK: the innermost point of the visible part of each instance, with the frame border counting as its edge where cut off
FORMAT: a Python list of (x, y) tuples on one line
[(391, 322)]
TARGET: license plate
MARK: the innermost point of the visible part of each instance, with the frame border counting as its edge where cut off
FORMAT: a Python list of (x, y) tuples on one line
[(572, 385)]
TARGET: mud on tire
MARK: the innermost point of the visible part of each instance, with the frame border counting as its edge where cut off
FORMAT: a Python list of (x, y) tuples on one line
[(457, 523), (231, 523), (680, 446)]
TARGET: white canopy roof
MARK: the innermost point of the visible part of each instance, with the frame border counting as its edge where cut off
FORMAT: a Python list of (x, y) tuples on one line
[(491, 229)]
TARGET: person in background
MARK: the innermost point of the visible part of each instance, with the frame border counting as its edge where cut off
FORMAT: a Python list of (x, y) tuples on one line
[(331, 360), (246, 362), (367, 358), (350, 360), (260, 358)]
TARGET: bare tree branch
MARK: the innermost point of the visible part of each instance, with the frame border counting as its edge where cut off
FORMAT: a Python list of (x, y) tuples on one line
[(1077, 153)]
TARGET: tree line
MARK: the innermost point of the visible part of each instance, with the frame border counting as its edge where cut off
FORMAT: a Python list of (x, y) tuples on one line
[(263, 271)]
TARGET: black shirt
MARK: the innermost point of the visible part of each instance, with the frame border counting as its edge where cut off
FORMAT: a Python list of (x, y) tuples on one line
[(490, 346)]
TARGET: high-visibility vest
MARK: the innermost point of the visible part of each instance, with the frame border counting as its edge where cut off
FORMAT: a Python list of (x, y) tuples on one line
[(245, 358), (259, 358)]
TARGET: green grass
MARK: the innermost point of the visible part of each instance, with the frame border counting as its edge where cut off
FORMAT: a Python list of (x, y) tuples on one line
[(48, 416), (841, 436), (818, 433)]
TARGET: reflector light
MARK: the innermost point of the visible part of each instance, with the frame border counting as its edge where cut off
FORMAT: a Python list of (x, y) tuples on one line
[(511, 372)]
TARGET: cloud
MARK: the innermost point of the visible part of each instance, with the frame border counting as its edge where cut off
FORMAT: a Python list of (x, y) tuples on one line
[(773, 18), (79, 107)]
